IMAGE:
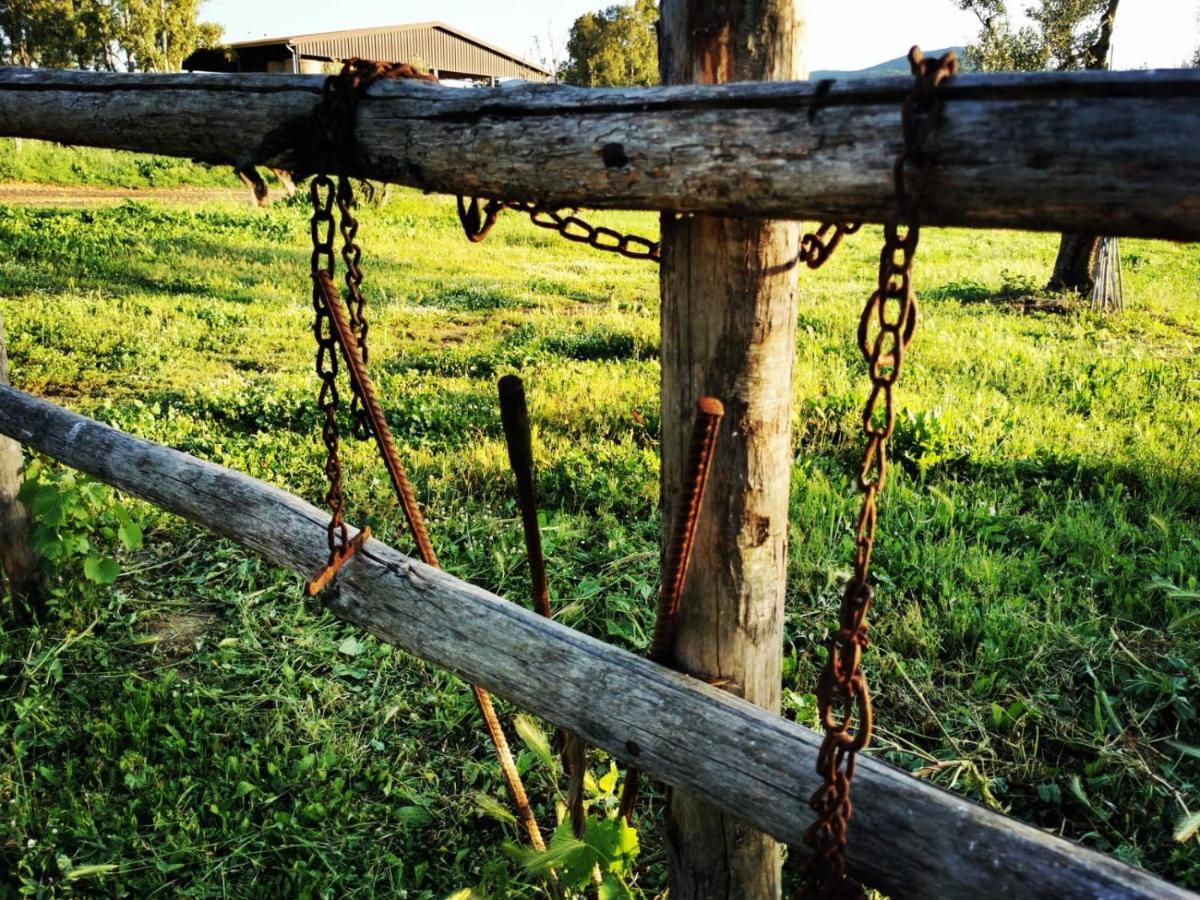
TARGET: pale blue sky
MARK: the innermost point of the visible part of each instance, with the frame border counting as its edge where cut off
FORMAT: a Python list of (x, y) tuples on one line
[(845, 34)]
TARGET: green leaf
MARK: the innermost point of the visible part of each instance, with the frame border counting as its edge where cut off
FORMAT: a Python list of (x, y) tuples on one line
[(612, 888), (608, 781), (1185, 749), (570, 857), (414, 816), (352, 646), (614, 842), (244, 788), (535, 739), (101, 571), (90, 871), (131, 535)]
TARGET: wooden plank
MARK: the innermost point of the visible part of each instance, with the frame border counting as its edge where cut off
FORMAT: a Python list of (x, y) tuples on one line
[(909, 839), (1105, 152)]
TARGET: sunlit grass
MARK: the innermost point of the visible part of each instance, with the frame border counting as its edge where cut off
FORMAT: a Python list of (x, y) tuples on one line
[(1038, 561)]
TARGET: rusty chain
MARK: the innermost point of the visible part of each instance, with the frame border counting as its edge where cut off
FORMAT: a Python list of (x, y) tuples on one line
[(817, 246), (885, 330), (330, 150), (478, 219), (344, 327), (321, 226)]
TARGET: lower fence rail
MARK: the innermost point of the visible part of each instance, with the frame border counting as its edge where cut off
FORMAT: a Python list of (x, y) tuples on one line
[(910, 839)]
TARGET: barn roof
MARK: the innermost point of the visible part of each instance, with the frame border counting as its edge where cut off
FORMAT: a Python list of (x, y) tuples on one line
[(439, 45)]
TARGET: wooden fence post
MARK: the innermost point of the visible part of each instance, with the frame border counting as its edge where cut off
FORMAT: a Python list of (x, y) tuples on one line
[(21, 574), (728, 330)]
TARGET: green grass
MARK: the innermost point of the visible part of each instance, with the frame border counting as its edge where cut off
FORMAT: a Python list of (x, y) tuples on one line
[(198, 727), (44, 163)]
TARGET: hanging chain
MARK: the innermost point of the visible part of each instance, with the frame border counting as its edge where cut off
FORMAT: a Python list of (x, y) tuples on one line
[(478, 219), (332, 151), (817, 246), (322, 228), (356, 303), (885, 330)]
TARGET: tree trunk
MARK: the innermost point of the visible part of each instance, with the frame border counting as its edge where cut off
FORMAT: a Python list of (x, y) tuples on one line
[(1076, 260), (728, 330), (21, 572), (1075, 264)]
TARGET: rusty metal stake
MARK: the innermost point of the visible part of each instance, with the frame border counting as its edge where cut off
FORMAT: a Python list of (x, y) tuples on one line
[(514, 413), (709, 412), (515, 416), (363, 387)]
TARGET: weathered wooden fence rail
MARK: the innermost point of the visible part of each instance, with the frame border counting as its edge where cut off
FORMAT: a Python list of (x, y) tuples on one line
[(1098, 152), (910, 839)]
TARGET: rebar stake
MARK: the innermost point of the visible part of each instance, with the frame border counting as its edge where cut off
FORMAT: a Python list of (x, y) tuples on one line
[(709, 412)]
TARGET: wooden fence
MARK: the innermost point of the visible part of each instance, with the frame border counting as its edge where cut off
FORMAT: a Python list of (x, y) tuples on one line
[(1112, 151)]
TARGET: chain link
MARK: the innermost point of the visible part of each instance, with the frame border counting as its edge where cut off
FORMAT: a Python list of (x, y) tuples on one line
[(885, 329), (356, 302), (321, 226), (478, 219), (817, 246)]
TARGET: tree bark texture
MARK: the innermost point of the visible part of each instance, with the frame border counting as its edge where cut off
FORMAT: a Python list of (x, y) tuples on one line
[(728, 330), (1075, 265)]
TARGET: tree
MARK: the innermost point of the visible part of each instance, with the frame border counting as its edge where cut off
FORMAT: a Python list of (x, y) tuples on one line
[(615, 47), (136, 35), (156, 35), (1195, 63), (1064, 35)]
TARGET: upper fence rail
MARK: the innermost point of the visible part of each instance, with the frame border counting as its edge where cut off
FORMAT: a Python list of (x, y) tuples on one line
[(1114, 153)]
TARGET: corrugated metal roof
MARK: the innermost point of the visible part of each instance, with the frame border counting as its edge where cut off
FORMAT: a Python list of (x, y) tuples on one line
[(438, 45)]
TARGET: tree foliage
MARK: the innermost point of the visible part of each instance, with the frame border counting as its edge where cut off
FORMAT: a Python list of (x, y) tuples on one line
[(615, 47), (1060, 34), (134, 35)]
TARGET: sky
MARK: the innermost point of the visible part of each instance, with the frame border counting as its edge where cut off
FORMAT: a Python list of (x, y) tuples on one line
[(844, 34)]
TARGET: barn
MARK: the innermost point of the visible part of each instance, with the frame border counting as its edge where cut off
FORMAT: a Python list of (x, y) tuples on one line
[(447, 51)]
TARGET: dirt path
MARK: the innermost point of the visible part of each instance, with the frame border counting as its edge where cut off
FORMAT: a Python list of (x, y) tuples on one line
[(87, 195)]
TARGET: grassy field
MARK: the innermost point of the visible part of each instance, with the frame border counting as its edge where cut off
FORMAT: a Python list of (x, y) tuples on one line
[(195, 726), (38, 162)]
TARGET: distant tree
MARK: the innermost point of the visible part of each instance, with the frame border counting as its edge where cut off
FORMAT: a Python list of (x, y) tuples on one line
[(136, 35), (41, 33), (1063, 35), (615, 47), (156, 35), (1196, 56)]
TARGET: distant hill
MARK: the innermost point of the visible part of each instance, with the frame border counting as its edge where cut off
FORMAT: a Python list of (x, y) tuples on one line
[(897, 66)]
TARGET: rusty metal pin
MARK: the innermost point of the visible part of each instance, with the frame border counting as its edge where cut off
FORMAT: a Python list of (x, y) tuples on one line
[(363, 386), (709, 412), (336, 329), (515, 416), (677, 559)]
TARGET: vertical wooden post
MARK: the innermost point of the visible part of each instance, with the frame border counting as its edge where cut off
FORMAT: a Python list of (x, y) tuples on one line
[(21, 574), (728, 330)]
